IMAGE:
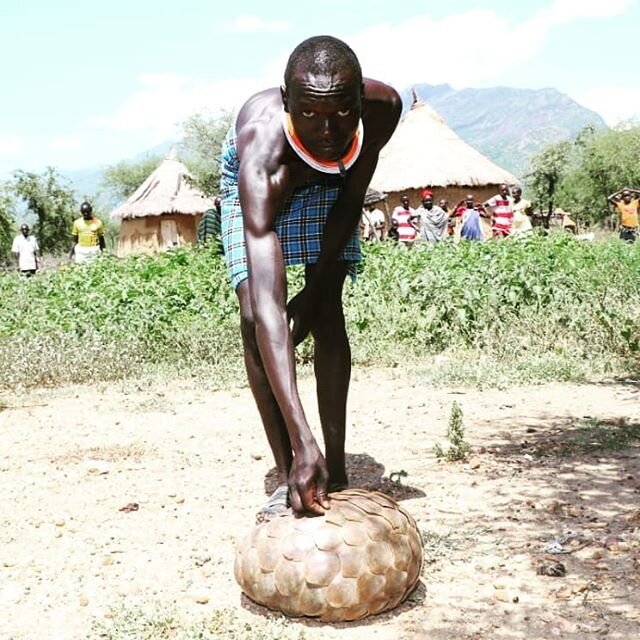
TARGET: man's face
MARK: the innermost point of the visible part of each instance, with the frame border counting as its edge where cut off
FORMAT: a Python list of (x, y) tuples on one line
[(325, 111), (427, 202), (626, 196), (24, 229), (405, 201), (504, 190), (517, 194), (87, 213)]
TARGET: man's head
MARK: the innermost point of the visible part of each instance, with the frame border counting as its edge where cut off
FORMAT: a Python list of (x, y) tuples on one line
[(443, 203), (516, 192), (503, 190), (626, 196), (323, 92), (405, 201), (86, 210), (217, 202), (24, 229), (468, 201)]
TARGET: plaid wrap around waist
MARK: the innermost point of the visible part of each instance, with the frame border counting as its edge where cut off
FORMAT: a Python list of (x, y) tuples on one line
[(299, 225)]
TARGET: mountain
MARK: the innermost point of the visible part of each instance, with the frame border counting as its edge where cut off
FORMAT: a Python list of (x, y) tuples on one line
[(507, 125)]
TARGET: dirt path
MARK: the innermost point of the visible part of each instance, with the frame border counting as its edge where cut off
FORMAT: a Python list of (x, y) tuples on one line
[(548, 462)]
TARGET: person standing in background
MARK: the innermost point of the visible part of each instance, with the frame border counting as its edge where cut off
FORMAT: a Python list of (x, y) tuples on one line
[(25, 248), (87, 236)]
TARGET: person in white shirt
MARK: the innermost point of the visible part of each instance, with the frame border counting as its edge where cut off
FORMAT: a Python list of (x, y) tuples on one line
[(25, 248)]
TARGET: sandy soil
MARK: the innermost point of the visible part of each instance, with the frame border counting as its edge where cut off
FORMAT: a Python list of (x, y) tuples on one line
[(197, 465)]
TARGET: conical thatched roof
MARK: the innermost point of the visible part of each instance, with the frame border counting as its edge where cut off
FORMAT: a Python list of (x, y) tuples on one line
[(373, 197), (425, 152), (166, 190)]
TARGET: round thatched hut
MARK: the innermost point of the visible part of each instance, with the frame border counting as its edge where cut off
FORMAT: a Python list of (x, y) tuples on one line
[(163, 212), (425, 153)]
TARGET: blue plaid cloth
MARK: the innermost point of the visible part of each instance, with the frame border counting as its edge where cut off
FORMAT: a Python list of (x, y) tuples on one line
[(299, 225)]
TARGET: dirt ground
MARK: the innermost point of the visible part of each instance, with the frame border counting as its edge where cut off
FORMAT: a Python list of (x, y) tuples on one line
[(552, 487)]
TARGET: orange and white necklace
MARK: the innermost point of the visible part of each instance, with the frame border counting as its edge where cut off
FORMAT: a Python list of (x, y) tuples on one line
[(326, 166)]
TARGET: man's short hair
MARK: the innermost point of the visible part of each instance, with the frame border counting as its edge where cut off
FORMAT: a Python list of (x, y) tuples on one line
[(322, 55), (86, 206)]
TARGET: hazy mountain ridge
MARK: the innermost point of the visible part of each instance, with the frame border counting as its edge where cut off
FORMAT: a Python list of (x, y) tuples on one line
[(506, 124)]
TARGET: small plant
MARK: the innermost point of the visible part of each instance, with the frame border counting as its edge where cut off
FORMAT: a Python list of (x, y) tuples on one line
[(395, 477), (458, 446)]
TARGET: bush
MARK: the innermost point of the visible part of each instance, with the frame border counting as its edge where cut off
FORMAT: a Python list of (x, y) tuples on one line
[(544, 308)]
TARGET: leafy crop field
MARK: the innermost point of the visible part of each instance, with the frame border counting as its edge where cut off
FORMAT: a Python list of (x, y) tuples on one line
[(545, 308)]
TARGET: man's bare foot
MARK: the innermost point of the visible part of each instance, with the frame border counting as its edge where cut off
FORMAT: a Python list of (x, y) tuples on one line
[(277, 504)]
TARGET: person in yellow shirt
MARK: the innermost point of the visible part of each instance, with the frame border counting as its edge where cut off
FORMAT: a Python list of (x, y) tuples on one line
[(87, 236), (627, 204)]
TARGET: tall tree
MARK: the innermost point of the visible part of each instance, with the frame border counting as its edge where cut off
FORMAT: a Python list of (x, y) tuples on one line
[(202, 142), (124, 178), (7, 222), (545, 173), (600, 162), (52, 202)]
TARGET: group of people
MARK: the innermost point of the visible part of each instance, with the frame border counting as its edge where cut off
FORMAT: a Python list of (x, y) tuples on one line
[(87, 242), (508, 214)]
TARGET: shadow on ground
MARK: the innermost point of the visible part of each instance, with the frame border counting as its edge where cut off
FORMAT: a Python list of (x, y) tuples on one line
[(366, 473)]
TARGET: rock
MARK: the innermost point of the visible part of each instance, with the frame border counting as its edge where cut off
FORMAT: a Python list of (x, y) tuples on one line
[(199, 598)]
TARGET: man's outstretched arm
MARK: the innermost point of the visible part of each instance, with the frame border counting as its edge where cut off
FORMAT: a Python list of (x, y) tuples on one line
[(262, 191)]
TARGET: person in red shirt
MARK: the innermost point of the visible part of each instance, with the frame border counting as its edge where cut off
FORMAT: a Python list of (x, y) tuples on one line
[(406, 222)]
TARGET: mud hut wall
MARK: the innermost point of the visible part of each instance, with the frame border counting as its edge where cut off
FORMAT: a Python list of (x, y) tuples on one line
[(143, 235)]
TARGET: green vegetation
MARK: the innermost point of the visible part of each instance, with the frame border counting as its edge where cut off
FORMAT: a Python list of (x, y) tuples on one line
[(495, 313), (458, 448), (224, 624), (50, 200), (579, 175)]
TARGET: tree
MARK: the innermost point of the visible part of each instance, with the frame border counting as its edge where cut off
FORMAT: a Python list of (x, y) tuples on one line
[(124, 178), (546, 171), (7, 222), (601, 162), (202, 142), (53, 204)]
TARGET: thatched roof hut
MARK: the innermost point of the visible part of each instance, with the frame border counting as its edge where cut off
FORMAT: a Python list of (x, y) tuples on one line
[(163, 212), (425, 153)]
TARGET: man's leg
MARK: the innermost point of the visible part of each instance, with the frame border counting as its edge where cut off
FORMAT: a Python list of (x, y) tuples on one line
[(268, 408), (332, 365)]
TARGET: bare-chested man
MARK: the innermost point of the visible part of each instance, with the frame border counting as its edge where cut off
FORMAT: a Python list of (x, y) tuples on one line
[(295, 170)]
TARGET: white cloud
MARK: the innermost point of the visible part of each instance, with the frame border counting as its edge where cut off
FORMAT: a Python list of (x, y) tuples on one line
[(10, 145), (68, 143), (164, 101), (254, 24), (614, 103), (470, 48)]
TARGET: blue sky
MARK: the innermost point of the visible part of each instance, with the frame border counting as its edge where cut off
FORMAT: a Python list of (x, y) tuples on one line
[(90, 83)]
